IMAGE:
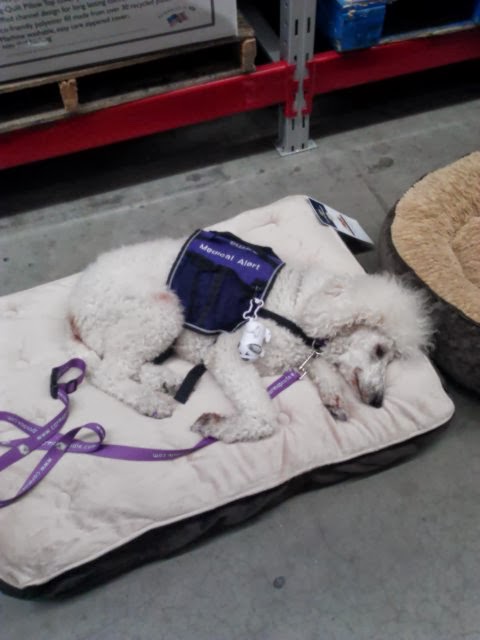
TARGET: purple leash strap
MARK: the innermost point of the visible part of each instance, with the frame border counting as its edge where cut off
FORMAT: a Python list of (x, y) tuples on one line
[(57, 444), (38, 435), (285, 380)]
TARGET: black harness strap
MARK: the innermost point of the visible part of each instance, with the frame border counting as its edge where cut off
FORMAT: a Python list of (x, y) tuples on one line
[(314, 343), (193, 376), (189, 382), (168, 353), (185, 390)]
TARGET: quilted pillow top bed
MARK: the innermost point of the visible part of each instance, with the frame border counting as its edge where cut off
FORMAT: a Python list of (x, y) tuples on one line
[(92, 518)]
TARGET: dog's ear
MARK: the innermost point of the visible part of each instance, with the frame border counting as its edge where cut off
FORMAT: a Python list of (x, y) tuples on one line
[(406, 317), (335, 286), (334, 309), (399, 311), (376, 301)]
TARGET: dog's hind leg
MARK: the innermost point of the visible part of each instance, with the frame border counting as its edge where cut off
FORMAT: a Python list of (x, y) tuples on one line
[(254, 416), (140, 397), (128, 345), (160, 377)]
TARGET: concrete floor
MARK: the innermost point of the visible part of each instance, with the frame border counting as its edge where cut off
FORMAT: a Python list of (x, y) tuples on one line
[(391, 556)]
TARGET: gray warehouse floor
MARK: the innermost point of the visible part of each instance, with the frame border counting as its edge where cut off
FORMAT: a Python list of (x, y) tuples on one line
[(391, 556)]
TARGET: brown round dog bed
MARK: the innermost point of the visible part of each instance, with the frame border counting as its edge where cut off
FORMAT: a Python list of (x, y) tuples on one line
[(433, 236)]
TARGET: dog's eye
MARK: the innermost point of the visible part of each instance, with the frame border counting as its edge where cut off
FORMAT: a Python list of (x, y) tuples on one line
[(380, 351)]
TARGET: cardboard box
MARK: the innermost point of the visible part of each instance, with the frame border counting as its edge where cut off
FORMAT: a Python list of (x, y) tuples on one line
[(42, 36)]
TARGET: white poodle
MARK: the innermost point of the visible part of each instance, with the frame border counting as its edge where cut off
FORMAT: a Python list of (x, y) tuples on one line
[(122, 310)]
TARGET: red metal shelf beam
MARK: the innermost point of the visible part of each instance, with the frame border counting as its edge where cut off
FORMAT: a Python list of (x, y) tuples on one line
[(331, 70), (270, 84), (266, 86)]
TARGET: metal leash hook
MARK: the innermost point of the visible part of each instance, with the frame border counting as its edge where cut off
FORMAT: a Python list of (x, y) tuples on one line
[(302, 368)]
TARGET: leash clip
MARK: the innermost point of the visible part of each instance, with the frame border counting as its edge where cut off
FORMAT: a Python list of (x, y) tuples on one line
[(302, 368)]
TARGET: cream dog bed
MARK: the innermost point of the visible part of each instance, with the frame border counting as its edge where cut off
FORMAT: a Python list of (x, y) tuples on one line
[(93, 518), (433, 235)]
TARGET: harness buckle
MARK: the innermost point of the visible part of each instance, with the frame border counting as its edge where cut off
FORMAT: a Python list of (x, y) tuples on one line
[(69, 387), (54, 382)]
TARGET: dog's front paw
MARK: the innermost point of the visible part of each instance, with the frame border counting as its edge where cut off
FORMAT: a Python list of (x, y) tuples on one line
[(207, 424), (232, 428), (336, 407), (338, 413), (158, 405)]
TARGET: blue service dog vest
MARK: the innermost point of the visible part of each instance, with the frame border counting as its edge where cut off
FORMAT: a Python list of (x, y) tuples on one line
[(216, 275)]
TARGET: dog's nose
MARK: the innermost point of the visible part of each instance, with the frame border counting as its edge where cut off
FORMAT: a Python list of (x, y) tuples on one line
[(376, 400)]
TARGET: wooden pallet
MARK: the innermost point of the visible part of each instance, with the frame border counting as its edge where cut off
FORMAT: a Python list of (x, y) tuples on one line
[(42, 99), (358, 24)]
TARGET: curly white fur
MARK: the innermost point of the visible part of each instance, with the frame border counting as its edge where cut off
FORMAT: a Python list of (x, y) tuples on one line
[(122, 310)]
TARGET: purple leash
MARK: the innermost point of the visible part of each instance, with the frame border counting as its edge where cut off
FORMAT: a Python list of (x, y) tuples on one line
[(56, 444)]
